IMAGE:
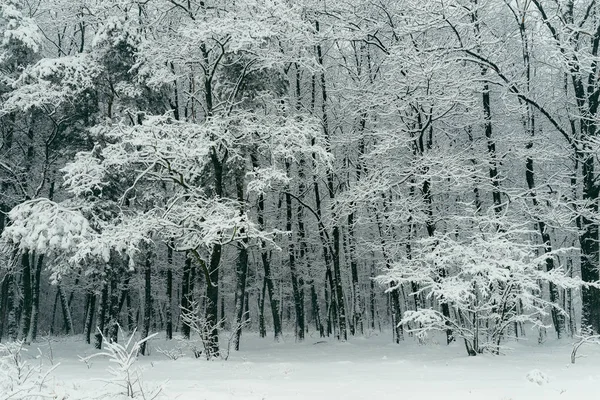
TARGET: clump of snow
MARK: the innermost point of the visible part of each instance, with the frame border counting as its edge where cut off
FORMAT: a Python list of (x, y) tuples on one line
[(537, 376)]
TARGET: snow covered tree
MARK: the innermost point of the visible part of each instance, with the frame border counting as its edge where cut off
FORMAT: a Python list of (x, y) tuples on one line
[(490, 283)]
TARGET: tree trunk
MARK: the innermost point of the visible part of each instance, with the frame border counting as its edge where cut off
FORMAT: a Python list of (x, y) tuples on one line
[(339, 290), (262, 329), (130, 311), (72, 294), (147, 303), (101, 316), (89, 316), (330, 302), (273, 300), (122, 297), (169, 307), (314, 300), (356, 298), (66, 310), (11, 319), (186, 295), (113, 310), (212, 306), (241, 270), (372, 296), (54, 308), (590, 296), (240, 294), (25, 322), (3, 304)]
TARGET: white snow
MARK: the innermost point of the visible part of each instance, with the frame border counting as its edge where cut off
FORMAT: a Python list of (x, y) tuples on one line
[(537, 376), (362, 368)]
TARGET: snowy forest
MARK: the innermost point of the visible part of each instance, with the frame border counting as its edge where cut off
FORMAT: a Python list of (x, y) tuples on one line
[(207, 170)]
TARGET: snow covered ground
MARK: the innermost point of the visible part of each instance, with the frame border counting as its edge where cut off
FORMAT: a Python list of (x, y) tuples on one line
[(362, 368)]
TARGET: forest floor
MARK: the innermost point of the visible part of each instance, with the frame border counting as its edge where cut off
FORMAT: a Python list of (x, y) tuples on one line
[(362, 368)]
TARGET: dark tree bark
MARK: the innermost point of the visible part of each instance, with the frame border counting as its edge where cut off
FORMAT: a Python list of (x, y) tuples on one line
[(372, 296), (357, 308), (130, 313), (273, 300), (72, 294), (147, 303), (314, 300), (11, 319), (169, 306), (4, 287), (589, 251), (113, 308), (66, 310), (241, 271), (90, 307), (262, 329), (240, 293), (212, 304), (25, 322), (101, 316), (186, 295), (54, 308), (122, 296)]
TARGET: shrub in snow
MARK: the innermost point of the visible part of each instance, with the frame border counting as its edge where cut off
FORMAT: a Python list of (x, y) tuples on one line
[(202, 328), (19, 379), (489, 282), (125, 374), (171, 354)]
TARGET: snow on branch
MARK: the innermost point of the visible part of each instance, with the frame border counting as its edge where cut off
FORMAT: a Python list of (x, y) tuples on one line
[(85, 174), (196, 222), (19, 28), (44, 226), (53, 81)]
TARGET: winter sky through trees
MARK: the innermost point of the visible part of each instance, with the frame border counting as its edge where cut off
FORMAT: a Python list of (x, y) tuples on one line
[(202, 174)]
